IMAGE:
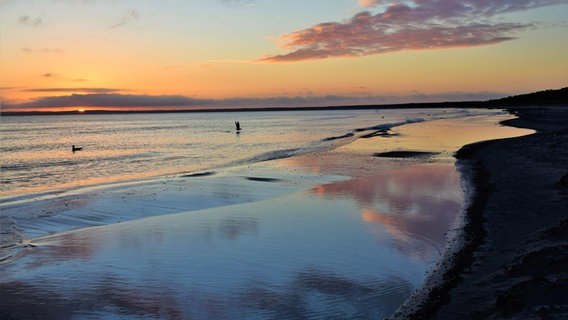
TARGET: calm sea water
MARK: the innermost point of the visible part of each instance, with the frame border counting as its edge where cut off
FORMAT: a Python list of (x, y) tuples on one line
[(314, 235), (36, 150)]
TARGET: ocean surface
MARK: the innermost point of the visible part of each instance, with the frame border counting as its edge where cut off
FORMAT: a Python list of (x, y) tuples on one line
[(36, 151), (178, 216)]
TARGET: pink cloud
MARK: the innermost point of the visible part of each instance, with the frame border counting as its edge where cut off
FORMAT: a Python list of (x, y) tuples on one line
[(422, 25), (369, 3)]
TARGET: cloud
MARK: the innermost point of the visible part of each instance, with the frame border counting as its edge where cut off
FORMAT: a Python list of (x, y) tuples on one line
[(108, 98), (85, 90), (51, 75), (369, 3), (42, 50), (30, 22), (58, 76), (243, 3), (127, 17), (413, 25)]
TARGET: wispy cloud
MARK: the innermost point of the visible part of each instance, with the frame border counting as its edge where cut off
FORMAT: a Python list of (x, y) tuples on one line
[(42, 50), (83, 90), (243, 3), (30, 21), (126, 18), (408, 25), (369, 3), (108, 98), (51, 75)]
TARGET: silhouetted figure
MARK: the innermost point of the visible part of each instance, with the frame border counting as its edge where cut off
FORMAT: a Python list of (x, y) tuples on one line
[(238, 125), (73, 148)]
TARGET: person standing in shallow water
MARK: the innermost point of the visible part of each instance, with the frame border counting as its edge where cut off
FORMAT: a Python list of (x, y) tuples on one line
[(238, 125)]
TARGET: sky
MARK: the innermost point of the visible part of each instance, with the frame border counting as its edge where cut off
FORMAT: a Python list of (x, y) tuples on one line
[(60, 55)]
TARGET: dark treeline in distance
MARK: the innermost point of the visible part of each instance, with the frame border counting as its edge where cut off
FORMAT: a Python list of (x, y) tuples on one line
[(546, 97)]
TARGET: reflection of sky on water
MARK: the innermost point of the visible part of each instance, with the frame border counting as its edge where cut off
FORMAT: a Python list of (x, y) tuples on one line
[(291, 257), (355, 251), (414, 204)]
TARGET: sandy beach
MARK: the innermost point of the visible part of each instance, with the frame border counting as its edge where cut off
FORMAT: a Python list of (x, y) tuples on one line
[(510, 261)]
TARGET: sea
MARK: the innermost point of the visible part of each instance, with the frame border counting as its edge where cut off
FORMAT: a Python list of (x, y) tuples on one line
[(181, 216), (37, 151)]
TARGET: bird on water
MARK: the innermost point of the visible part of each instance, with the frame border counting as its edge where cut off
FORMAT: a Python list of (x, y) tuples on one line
[(73, 148)]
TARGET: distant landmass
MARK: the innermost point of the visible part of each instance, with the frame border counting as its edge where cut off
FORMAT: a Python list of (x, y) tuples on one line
[(544, 98)]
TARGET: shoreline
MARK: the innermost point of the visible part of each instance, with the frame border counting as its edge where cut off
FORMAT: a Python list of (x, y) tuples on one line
[(514, 236)]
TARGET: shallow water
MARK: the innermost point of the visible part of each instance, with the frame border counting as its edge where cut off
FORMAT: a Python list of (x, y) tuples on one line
[(352, 249), (335, 234), (37, 157)]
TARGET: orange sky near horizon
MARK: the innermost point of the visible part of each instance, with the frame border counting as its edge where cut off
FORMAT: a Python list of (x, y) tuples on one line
[(100, 54)]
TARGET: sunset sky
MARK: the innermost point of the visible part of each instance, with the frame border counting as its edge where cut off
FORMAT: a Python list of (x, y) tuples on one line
[(172, 54)]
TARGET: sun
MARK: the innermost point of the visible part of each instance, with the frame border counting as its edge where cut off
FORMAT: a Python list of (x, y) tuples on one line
[(81, 110)]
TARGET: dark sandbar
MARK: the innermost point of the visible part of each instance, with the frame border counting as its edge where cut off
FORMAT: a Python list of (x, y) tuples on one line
[(260, 179), (404, 154)]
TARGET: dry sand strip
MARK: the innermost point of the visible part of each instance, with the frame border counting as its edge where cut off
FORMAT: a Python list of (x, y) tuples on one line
[(513, 260)]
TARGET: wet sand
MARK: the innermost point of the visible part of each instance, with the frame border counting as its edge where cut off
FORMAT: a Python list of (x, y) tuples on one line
[(511, 259)]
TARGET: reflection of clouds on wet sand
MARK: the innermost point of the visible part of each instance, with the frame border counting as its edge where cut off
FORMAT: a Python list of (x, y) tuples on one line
[(52, 251), (232, 228), (293, 257), (310, 293), (414, 204), (109, 297), (315, 293), (226, 263), (83, 244)]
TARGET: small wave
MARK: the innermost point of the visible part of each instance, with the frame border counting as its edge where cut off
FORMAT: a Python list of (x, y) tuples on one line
[(32, 166), (14, 167), (198, 174), (388, 126), (378, 130), (276, 154)]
